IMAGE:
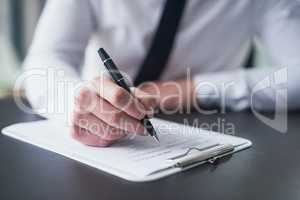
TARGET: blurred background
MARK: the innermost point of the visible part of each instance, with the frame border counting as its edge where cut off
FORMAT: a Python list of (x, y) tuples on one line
[(18, 19)]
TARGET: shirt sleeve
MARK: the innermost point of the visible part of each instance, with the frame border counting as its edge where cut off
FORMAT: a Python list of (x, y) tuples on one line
[(226, 89), (56, 55), (267, 88)]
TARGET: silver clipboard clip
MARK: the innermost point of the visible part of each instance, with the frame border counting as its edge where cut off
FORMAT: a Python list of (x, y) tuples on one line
[(210, 154)]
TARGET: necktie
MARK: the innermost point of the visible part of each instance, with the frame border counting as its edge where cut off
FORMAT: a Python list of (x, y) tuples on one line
[(163, 42)]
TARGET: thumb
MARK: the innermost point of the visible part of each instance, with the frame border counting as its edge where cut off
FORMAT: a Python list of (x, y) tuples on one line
[(150, 101)]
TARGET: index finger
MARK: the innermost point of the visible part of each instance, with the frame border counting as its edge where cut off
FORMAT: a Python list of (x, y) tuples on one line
[(118, 97)]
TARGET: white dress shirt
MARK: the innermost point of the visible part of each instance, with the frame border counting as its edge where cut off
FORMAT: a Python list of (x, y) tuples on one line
[(213, 42)]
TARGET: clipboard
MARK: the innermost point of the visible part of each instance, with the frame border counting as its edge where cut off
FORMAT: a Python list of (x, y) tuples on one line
[(49, 136)]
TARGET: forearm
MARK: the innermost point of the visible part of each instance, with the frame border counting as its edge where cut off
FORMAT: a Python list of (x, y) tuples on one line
[(260, 89), (55, 56)]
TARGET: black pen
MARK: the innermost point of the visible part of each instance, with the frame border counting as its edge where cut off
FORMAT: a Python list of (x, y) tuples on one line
[(119, 80)]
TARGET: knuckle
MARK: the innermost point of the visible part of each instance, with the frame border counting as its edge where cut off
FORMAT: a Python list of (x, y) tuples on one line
[(115, 118), (119, 96), (153, 102), (84, 96), (79, 119)]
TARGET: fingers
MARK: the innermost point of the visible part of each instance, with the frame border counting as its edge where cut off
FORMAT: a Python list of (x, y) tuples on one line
[(97, 127), (106, 113), (84, 136), (119, 97), (116, 118), (89, 102)]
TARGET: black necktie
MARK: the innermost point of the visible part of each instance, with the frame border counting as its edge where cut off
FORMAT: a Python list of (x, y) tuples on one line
[(163, 42)]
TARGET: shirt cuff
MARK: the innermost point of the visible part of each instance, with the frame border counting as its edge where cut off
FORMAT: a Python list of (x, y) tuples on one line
[(50, 91), (222, 89)]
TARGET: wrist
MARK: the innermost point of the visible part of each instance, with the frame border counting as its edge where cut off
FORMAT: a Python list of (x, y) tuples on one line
[(172, 95)]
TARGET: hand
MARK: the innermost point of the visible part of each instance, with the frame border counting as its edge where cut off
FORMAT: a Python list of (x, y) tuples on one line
[(105, 113), (172, 95)]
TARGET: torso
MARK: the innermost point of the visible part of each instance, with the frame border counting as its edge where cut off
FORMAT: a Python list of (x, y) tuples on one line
[(214, 35)]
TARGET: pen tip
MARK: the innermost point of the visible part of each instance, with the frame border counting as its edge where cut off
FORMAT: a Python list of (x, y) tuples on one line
[(156, 138)]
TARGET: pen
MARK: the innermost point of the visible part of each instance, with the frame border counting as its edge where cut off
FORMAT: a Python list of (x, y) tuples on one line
[(119, 80)]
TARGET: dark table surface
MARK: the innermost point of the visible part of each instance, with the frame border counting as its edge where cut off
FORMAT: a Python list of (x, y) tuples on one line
[(269, 170)]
